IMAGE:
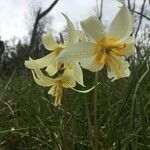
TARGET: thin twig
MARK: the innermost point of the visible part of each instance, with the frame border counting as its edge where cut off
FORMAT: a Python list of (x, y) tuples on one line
[(133, 8), (39, 16), (129, 4), (141, 15), (101, 10), (140, 20), (48, 9)]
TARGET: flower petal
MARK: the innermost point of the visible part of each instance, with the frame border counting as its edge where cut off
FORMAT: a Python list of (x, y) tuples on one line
[(85, 91), (122, 25), (78, 74), (48, 42), (53, 68), (41, 62), (71, 83), (72, 34), (67, 83), (91, 64), (81, 36), (41, 79), (52, 91), (130, 46), (93, 28), (77, 52), (117, 68), (68, 77)]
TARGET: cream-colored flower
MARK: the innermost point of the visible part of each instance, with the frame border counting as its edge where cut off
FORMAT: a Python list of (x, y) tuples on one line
[(50, 62), (104, 48), (68, 73), (71, 73)]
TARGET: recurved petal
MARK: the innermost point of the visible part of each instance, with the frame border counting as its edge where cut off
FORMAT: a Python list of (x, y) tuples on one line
[(122, 25), (118, 68), (77, 52), (91, 64), (93, 28), (78, 74), (52, 68), (81, 36), (41, 79), (49, 42), (67, 77), (129, 46), (72, 36), (52, 91), (41, 62), (68, 82)]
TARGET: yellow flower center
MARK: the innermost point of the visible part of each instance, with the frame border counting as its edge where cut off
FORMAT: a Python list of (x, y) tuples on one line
[(105, 50), (106, 46)]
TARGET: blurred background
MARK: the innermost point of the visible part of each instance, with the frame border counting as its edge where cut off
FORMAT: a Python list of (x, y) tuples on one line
[(28, 120)]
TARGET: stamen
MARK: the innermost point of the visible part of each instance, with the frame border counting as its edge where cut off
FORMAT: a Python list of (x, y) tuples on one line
[(107, 45), (116, 65)]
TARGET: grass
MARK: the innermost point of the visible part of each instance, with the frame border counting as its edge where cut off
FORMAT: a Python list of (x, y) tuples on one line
[(28, 120)]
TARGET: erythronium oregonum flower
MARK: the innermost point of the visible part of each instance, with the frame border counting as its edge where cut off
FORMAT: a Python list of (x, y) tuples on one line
[(49, 61), (65, 80), (72, 71), (104, 48)]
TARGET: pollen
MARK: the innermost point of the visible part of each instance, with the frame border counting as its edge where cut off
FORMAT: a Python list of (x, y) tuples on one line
[(106, 46), (105, 50)]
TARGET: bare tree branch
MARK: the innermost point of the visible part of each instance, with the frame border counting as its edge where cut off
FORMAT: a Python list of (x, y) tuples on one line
[(133, 8), (141, 17), (39, 16), (129, 4), (101, 10), (35, 26), (48, 9)]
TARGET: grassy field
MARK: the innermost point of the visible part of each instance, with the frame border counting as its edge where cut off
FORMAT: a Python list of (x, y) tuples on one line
[(28, 120)]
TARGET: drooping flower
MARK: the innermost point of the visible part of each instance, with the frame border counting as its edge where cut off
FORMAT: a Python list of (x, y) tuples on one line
[(104, 48), (69, 73), (49, 61), (65, 80)]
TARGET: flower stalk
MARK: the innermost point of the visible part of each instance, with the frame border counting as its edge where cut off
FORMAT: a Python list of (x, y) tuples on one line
[(65, 136), (95, 114)]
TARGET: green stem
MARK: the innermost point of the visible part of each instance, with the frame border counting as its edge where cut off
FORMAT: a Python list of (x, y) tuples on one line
[(65, 140), (95, 114)]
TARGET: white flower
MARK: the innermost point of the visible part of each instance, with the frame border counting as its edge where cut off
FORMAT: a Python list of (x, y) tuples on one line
[(50, 62), (69, 73), (72, 73), (104, 48)]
